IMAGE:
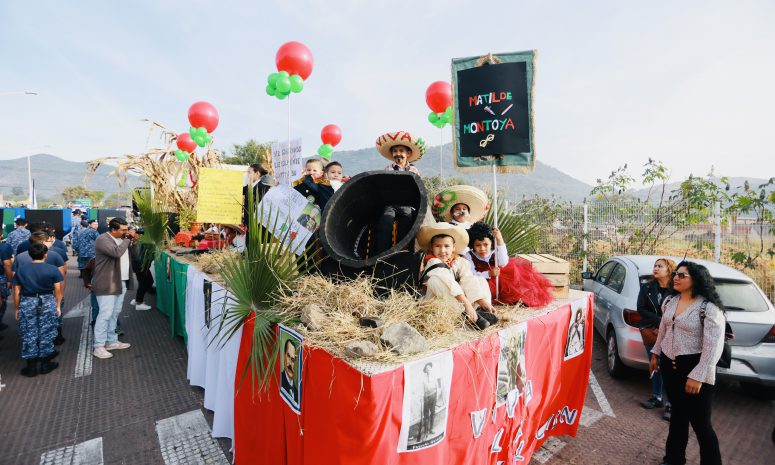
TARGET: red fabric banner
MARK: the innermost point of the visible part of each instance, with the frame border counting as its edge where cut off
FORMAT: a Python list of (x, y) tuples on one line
[(350, 418)]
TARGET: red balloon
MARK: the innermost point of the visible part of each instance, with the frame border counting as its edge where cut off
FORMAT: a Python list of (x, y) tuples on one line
[(295, 58), (203, 115), (185, 142), (439, 96), (331, 134)]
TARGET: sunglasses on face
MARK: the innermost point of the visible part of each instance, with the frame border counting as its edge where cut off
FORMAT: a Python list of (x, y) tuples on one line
[(680, 275)]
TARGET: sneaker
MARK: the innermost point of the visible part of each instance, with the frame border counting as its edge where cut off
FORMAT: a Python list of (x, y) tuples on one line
[(651, 403), (668, 412), (117, 345), (142, 306), (133, 302), (100, 352), (490, 317)]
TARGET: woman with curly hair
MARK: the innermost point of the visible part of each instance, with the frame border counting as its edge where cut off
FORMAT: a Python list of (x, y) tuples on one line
[(689, 344)]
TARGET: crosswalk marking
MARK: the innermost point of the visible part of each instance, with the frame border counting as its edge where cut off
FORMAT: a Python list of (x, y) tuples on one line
[(187, 439), (83, 364), (601, 399), (84, 453)]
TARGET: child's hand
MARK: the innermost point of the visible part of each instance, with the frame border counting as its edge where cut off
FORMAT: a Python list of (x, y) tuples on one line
[(59, 312), (496, 233), (495, 271)]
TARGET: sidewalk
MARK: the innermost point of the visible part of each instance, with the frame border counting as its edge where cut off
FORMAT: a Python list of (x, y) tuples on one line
[(121, 408)]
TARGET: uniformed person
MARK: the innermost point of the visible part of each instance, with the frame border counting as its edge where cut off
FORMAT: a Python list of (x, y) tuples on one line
[(37, 291)]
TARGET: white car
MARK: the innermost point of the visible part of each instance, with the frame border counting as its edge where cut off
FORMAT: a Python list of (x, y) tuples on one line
[(752, 316)]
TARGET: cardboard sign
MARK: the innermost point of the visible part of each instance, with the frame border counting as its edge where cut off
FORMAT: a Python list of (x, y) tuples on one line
[(494, 113), (283, 208), (220, 196), (286, 170)]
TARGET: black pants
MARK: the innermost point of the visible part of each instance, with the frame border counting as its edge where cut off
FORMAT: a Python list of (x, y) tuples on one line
[(688, 409), (144, 283), (384, 233)]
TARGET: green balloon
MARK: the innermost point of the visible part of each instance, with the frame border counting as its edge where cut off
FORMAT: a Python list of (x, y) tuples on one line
[(272, 79), (448, 111), (297, 83), (281, 95), (444, 118), (433, 117), (283, 85), (284, 74), (320, 150), (181, 155), (440, 124), (270, 90)]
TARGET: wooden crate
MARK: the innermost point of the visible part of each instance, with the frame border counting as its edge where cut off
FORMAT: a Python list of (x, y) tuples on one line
[(555, 269)]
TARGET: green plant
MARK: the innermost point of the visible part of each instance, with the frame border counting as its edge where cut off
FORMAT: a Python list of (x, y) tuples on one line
[(255, 280), (154, 220), (186, 216), (519, 232)]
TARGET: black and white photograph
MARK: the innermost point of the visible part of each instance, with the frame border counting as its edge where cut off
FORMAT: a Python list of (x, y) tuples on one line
[(426, 402), (290, 368), (574, 344), (512, 368)]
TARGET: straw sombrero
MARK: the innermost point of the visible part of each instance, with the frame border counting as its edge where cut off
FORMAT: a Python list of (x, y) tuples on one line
[(390, 139), (458, 233), (475, 199)]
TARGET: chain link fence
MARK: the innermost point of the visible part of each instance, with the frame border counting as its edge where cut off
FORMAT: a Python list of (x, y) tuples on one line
[(587, 234)]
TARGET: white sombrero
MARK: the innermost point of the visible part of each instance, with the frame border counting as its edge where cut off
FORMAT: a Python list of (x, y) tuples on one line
[(391, 139), (458, 233), (477, 202)]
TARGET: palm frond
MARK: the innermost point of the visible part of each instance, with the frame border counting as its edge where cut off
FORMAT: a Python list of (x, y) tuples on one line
[(154, 220), (255, 281), (520, 235)]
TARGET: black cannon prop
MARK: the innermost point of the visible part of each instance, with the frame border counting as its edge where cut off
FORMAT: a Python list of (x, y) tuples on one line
[(348, 226)]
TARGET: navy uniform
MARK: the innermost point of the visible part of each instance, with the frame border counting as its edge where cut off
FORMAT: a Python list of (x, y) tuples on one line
[(17, 236), (6, 255), (37, 308)]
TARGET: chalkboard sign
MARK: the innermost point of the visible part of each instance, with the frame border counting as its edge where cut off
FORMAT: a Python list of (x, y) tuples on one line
[(493, 119)]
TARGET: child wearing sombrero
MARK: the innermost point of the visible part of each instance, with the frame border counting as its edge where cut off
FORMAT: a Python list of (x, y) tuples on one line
[(446, 274), (461, 205), (401, 148)]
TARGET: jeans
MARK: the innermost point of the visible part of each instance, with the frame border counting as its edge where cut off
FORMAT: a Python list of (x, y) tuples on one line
[(656, 381), (105, 326), (694, 409)]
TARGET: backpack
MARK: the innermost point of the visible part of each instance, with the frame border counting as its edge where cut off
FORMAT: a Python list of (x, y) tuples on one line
[(726, 355)]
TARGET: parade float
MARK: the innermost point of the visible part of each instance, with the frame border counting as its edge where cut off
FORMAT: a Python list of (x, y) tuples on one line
[(313, 349)]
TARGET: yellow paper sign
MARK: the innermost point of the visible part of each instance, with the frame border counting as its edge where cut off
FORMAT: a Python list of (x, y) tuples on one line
[(220, 196)]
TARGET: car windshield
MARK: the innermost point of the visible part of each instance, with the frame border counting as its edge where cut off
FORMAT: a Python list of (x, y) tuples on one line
[(741, 296)]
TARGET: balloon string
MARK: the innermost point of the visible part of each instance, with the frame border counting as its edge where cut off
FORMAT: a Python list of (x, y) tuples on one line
[(441, 154)]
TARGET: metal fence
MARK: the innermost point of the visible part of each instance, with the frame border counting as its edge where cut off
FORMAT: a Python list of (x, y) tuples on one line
[(587, 234)]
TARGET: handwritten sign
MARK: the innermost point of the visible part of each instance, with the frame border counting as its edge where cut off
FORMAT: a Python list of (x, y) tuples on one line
[(287, 169), (220, 196), (283, 208), (493, 111)]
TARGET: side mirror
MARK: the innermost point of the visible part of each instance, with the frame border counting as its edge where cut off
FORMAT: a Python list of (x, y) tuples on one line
[(586, 275)]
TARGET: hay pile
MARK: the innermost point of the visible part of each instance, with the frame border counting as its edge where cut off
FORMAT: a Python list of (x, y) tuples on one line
[(211, 262), (441, 322)]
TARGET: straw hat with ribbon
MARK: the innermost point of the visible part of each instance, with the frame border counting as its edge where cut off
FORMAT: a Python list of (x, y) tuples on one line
[(458, 233)]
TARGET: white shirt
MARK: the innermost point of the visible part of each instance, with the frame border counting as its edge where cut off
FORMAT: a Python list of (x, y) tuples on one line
[(124, 260), (503, 259)]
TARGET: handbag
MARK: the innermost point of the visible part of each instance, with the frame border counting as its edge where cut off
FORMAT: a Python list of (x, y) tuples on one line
[(649, 336), (725, 361)]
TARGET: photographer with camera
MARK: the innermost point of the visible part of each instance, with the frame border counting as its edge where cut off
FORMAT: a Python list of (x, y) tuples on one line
[(110, 283)]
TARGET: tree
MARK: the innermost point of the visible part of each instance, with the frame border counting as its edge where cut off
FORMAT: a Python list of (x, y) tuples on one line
[(70, 193), (17, 190), (251, 152)]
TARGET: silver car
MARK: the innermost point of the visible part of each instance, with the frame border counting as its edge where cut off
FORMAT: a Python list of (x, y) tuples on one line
[(752, 316)]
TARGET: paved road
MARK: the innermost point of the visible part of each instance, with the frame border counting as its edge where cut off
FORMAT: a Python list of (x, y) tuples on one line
[(637, 436), (138, 408)]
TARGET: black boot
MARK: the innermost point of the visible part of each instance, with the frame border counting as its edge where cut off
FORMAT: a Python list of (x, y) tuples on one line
[(47, 366), (50, 357), (31, 369), (59, 340)]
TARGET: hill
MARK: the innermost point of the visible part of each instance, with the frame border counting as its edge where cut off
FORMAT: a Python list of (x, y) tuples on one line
[(52, 174), (544, 181)]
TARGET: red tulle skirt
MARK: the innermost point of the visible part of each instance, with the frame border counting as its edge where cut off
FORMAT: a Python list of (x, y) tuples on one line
[(519, 282)]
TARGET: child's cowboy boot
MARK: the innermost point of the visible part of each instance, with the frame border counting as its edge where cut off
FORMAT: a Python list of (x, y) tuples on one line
[(31, 369)]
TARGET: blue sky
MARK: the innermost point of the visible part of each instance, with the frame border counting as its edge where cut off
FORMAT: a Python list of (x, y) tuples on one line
[(689, 83)]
